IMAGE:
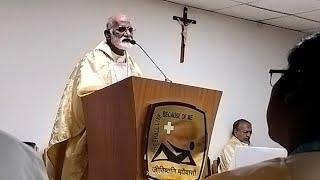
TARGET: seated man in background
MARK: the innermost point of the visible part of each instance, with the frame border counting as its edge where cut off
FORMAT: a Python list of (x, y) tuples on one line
[(108, 63), (241, 134), (293, 120), (19, 161)]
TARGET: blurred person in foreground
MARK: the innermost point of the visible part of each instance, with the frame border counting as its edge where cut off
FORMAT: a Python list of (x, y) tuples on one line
[(19, 161), (293, 120)]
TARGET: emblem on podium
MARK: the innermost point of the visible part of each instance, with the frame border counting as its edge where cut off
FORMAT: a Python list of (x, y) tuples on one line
[(176, 141)]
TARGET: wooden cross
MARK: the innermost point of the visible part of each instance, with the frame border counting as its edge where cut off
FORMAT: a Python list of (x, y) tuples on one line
[(184, 22)]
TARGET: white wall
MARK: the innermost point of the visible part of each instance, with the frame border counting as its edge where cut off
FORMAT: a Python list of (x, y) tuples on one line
[(40, 41)]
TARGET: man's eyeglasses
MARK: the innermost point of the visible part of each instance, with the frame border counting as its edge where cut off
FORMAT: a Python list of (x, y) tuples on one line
[(123, 29), (275, 75)]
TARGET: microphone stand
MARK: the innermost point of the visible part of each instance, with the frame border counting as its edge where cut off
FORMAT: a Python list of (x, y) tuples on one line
[(166, 79)]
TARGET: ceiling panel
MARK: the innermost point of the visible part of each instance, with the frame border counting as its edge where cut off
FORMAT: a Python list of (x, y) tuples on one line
[(245, 1), (276, 11), (293, 23), (289, 6), (208, 4), (311, 31), (314, 15), (248, 12)]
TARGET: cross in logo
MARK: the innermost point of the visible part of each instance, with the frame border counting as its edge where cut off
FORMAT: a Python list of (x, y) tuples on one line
[(168, 127)]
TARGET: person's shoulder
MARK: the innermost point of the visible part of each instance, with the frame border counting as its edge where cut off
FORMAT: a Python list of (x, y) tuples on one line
[(231, 142), (303, 160), (8, 139), (90, 56), (271, 169), (15, 155), (10, 143), (100, 53)]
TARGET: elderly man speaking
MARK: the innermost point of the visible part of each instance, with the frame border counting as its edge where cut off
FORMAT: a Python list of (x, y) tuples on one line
[(106, 64)]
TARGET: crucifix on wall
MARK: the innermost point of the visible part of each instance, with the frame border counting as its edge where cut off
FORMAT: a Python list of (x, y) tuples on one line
[(184, 22)]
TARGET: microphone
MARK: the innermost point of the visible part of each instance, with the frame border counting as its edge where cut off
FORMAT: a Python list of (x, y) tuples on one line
[(133, 42)]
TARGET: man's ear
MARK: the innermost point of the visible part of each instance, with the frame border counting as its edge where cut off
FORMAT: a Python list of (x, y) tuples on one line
[(234, 132), (107, 33)]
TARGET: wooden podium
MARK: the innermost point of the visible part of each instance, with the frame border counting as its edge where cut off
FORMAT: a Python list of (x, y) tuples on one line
[(115, 120)]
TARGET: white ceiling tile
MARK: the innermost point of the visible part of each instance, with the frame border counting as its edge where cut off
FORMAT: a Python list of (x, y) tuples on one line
[(305, 8), (314, 15), (208, 4), (245, 1), (289, 6), (311, 31), (248, 12), (293, 23)]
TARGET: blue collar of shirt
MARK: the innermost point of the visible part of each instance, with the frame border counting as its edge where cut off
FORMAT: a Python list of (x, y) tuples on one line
[(307, 147)]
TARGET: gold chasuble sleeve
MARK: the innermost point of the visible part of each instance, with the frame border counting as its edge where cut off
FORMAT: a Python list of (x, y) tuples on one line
[(66, 155)]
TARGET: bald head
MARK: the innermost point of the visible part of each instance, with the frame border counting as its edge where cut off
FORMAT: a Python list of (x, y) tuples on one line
[(114, 21)]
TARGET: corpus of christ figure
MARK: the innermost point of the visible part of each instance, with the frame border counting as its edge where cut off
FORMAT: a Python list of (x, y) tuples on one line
[(184, 22)]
